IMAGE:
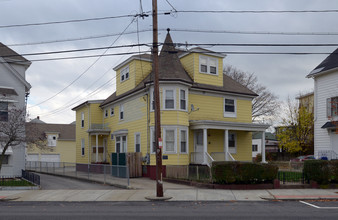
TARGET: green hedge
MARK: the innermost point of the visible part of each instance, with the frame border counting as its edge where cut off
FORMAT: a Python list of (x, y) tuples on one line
[(321, 171), (243, 172)]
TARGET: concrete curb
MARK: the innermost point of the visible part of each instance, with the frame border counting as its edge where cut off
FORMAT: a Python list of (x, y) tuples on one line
[(297, 198), (155, 198), (20, 188)]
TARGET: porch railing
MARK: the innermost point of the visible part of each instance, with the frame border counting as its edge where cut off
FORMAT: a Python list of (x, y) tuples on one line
[(209, 159), (196, 158), (328, 154), (231, 157)]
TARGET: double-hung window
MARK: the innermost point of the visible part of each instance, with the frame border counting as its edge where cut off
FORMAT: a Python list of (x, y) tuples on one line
[(332, 107), (152, 138), (111, 111), (183, 100), (169, 140), (254, 148), (82, 147), (121, 112), (208, 65), (169, 100), (3, 111), (124, 73), (183, 141), (106, 113), (137, 142), (229, 107), (121, 144), (82, 119)]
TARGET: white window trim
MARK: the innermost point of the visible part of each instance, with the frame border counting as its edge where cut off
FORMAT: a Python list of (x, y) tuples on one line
[(208, 65), (110, 111), (230, 114), (187, 140), (233, 150), (51, 142), (164, 140), (152, 134), (82, 119), (121, 107), (121, 136), (137, 133), (124, 74), (83, 152), (151, 91), (164, 96), (186, 100), (104, 113)]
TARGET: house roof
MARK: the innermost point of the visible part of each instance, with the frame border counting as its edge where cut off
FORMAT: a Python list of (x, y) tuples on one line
[(145, 57), (65, 131), (331, 62), (10, 55), (87, 102), (171, 69), (268, 136)]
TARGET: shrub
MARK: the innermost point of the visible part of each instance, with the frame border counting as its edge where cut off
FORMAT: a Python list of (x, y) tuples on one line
[(243, 172), (321, 171)]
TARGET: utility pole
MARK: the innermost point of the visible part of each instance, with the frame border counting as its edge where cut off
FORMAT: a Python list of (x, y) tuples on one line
[(159, 183)]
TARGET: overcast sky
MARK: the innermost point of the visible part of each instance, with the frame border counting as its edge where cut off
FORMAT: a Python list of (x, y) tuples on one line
[(284, 75)]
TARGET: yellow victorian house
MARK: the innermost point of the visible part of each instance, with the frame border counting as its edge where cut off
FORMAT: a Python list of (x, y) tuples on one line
[(205, 115)]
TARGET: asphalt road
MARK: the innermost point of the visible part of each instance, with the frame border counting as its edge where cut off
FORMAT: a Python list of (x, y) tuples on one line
[(166, 210), (50, 182)]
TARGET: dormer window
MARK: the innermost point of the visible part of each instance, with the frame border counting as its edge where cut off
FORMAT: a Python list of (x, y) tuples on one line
[(208, 65), (51, 140), (124, 73)]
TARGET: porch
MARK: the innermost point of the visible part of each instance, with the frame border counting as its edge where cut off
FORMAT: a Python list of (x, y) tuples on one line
[(99, 134), (224, 141)]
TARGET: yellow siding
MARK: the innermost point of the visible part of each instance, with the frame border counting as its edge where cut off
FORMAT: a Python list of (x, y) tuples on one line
[(66, 149), (82, 133), (211, 108), (122, 87), (142, 69), (204, 78), (188, 64)]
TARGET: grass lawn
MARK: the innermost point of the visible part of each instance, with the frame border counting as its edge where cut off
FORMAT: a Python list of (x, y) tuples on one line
[(289, 176), (14, 182)]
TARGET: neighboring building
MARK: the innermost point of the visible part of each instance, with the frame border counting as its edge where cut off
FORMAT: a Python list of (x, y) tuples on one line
[(14, 90), (325, 77), (58, 142), (271, 143), (307, 101), (205, 115)]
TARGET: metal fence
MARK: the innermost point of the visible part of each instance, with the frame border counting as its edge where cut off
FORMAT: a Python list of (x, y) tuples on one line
[(31, 177), (105, 173), (291, 177)]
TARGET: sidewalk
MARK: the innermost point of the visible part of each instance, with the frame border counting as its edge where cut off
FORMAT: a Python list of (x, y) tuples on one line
[(177, 192)]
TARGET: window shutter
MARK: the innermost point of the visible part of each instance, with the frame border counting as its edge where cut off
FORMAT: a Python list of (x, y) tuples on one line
[(328, 107)]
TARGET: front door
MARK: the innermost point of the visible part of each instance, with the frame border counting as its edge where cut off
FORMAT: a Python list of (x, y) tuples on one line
[(199, 147)]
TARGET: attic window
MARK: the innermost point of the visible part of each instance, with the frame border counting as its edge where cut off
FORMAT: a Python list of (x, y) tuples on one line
[(208, 65), (124, 73), (51, 140)]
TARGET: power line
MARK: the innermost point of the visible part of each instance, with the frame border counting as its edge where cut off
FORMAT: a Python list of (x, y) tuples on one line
[(99, 57), (259, 11)]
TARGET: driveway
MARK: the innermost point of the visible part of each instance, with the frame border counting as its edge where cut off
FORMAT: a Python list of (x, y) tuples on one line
[(51, 182)]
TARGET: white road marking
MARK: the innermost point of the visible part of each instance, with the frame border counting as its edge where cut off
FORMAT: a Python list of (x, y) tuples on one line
[(317, 207)]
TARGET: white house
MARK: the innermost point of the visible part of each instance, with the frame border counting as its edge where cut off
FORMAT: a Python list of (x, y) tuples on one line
[(325, 77), (271, 143), (13, 92)]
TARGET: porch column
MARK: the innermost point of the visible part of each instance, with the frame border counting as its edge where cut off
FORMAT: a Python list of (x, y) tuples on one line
[(97, 148), (205, 145), (226, 144), (263, 147)]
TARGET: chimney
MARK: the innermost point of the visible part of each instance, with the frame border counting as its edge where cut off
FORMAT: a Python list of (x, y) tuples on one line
[(38, 117)]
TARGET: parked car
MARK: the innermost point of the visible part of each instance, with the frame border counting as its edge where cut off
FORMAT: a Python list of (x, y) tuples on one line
[(302, 158)]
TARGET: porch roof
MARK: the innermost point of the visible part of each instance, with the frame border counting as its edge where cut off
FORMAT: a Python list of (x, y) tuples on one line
[(95, 131), (226, 125)]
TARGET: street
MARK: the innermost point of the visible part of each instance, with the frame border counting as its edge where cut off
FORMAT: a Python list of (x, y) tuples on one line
[(168, 210)]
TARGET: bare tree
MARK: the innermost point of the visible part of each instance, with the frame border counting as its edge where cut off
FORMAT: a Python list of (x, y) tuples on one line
[(13, 132), (266, 104)]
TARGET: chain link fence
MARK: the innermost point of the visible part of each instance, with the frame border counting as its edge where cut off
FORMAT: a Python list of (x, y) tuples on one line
[(107, 174)]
